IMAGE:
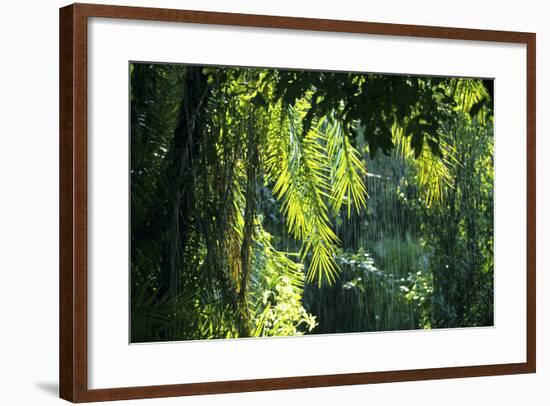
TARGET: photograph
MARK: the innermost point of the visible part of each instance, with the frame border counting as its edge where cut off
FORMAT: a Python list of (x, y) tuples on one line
[(268, 201)]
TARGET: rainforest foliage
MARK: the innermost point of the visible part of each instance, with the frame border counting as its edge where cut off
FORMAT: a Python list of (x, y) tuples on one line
[(269, 202)]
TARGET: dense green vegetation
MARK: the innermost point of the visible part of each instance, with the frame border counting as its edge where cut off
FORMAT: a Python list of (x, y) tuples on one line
[(269, 202)]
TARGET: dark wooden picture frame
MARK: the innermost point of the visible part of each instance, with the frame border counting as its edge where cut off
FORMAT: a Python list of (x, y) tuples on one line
[(73, 201)]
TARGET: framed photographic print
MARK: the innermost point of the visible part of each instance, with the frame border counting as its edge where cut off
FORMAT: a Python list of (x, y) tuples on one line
[(256, 202)]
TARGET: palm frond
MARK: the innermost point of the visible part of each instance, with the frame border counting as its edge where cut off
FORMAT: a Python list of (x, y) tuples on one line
[(297, 165), (470, 96), (433, 171), (347, 168)]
